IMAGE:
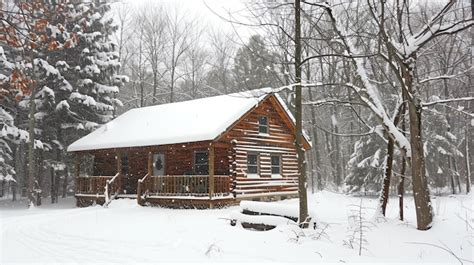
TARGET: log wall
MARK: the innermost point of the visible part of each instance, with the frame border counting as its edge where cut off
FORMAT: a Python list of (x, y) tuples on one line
[(279, 141), (179, 160)]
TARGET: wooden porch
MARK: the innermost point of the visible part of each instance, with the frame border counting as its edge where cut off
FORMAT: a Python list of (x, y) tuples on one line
[(200, 191)]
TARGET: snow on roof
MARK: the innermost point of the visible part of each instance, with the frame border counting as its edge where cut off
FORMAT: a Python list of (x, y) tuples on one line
[(188, 121)]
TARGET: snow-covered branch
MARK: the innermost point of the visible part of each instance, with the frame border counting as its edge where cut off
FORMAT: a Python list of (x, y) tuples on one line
[(449, 100), (444, 77)]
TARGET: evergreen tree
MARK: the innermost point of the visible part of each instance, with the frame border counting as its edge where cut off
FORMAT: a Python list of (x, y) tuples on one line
[(366, 166), (64, 75), (254, 65)]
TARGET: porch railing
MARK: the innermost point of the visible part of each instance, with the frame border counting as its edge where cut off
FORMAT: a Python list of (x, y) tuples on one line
[(92, 185), (196, 185), (113, 187), (97, 184)]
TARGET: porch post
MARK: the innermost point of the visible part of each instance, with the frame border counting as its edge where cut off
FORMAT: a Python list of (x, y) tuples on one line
[(150, 163), (211, 174), (77, 164), (119, 162), (233, 167), (78, 171), (120, 179)]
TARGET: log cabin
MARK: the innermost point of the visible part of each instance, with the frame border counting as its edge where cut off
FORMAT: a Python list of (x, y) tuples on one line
[(208, 152)]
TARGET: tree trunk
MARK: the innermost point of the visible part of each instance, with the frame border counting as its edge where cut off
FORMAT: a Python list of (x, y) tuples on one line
[(401, 187), (337, 153), (456, 173), (303, 218), (66, 173), (451, 176), (155, 84), (384, 195), (32, 198), (315, 159), (468, 162), (421, 193), (388, 175), (14, 186), (450, 158), (2, 190), (54, 198), (401, 183)]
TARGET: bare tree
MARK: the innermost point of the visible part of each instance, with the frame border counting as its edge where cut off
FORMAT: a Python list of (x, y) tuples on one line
[(302, 185), (195, 62), (222, 50), (178, 30), (154, 41)]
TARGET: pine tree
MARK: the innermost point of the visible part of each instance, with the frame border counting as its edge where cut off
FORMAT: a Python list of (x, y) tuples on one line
[(254, 65), (91, 69), (86, 97), (366, 166)]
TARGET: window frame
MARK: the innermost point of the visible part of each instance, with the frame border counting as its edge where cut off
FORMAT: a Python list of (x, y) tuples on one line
[(274, 166), (266, 126), (256, 165), (206, 164)]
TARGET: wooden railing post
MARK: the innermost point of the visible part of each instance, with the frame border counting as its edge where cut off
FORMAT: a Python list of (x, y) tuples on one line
[(141, 186), (233, 166), (139, 192), (211, 174)]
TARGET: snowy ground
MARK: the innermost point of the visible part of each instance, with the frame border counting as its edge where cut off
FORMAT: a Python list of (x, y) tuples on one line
[(128, 233)]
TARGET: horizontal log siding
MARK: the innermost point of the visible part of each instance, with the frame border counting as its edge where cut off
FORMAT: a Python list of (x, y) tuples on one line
[(179, 159), (279, 141), (104, 164)]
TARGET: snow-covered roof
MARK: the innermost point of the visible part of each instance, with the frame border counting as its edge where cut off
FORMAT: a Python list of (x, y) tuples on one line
[(188, 121)]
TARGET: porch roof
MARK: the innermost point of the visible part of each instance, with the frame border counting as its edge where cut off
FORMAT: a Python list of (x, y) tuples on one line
[(188, 121)]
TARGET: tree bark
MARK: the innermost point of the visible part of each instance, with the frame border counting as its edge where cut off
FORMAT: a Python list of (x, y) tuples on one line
[(468, 162), (54, 193), (303, 200), (337, 154), (155, 84), (32, 199), (384, 195), (456, 172), (388, 175), (66, 173), (316, 157), (401, 187), (451, 176), (421, 194), (401, 183)]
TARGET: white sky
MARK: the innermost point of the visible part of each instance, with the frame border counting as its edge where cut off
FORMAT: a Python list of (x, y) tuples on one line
[(198, 9)]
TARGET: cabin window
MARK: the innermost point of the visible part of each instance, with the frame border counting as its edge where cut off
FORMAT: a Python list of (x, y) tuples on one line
[(124, 164), (252, 164), (276, 164), (263, 124), (201, 163)]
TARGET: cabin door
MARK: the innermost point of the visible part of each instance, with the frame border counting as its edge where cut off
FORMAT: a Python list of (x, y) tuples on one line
[(158, 164)]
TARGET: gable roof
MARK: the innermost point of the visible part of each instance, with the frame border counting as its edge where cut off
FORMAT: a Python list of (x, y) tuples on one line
[(181, 122)]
